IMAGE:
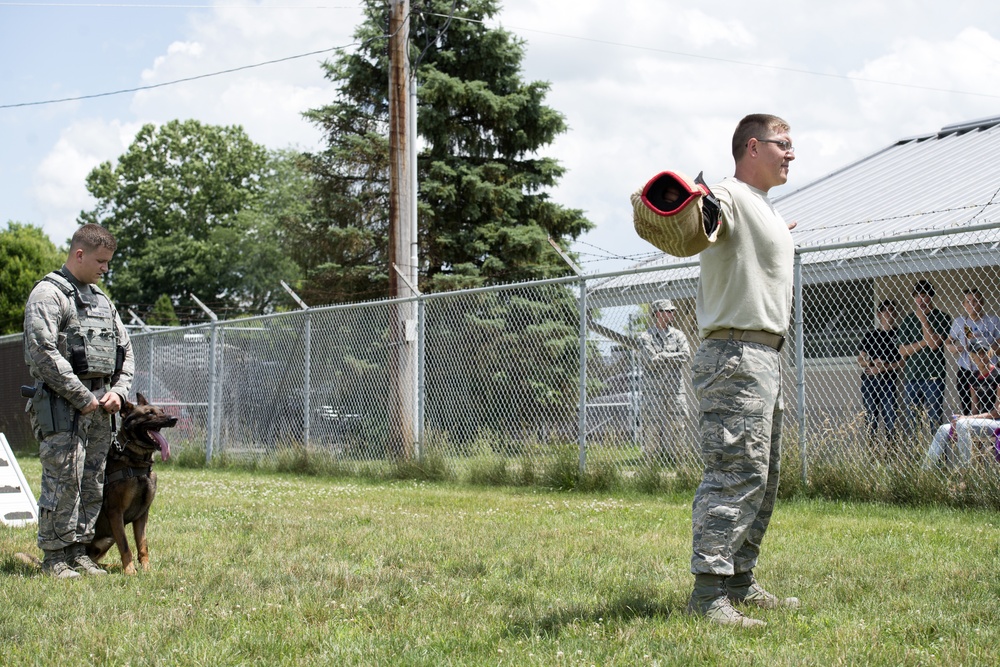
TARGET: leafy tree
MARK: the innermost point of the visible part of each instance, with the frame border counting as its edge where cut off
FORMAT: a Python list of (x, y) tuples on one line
[(194, 210), (484, 216), (26, 255)]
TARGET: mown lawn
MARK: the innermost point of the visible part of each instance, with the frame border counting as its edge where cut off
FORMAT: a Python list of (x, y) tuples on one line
[(273, 569)]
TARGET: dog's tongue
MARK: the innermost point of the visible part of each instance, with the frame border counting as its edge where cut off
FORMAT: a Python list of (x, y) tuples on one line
[(162, 442)]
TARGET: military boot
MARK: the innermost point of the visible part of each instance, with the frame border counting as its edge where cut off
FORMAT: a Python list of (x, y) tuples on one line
[(743, 589), (709, 600), (54, 565), (80, 561)]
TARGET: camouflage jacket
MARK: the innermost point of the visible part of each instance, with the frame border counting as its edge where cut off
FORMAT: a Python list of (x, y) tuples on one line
[(666, 353), (48, 314)]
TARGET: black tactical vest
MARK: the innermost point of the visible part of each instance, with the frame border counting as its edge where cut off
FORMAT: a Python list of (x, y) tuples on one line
[(88, 341)]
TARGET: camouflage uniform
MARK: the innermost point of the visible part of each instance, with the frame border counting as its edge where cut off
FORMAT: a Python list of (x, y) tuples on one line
[(665, 419), (72, 447), (739, 392), (745, 286)]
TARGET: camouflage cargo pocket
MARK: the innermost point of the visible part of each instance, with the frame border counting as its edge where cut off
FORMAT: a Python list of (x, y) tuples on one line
[(718, 528)]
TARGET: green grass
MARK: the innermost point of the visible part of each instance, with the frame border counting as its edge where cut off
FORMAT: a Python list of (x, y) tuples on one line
[(264, 568)]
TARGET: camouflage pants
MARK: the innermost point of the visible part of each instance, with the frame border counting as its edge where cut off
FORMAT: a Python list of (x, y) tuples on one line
[(72, 481), (738, 387)]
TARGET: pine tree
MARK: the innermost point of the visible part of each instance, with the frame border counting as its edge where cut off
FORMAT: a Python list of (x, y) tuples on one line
[(484, 216), (163, 313)]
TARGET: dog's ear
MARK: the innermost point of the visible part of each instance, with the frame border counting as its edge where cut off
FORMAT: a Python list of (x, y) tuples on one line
[(142, 399), (127, 407)]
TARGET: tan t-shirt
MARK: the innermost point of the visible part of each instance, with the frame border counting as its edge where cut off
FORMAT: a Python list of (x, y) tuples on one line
[(746, 275)]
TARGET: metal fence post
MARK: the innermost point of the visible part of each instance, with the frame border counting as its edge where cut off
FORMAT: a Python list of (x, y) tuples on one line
[(307, 356), (212, 392), (800, 367), (306, 380), (583, 376), (212, 380), (421, 387)]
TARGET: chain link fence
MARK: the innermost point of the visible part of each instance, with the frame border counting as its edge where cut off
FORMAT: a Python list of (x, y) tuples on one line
[(506, 380)]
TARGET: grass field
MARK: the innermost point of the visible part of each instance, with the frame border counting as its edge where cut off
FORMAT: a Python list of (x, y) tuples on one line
[(273, 569)]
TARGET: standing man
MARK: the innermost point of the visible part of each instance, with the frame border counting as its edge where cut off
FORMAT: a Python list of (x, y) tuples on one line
[(921, 344), (878, 356), (81, 358), (743, 306), (665, 354), (973, 327)]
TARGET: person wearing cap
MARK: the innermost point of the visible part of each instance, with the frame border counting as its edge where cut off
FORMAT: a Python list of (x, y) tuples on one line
[(880, 361), (664, 412), (975, 325), (921, 344), (953, 440), (743, 306)]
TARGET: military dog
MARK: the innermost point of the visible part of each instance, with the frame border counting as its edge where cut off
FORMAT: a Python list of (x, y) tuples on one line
[(130, 483)]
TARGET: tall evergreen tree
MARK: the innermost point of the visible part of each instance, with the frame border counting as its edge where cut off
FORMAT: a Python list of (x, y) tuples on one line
[(163, 313), (484, 215)]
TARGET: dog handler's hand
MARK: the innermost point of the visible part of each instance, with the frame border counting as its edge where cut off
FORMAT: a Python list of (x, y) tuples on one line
[(93, 405), (111, 402)]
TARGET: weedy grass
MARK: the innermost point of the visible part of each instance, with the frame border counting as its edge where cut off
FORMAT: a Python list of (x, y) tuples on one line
[(265, 568)]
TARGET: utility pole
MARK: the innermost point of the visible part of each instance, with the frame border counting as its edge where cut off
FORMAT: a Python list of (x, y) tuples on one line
[(402, 318), (399, 142)]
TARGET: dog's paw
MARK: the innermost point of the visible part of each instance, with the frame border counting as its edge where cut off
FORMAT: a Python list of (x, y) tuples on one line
[(130, 569)]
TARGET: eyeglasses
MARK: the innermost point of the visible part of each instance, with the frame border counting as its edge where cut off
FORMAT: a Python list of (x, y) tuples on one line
[(786, 146)]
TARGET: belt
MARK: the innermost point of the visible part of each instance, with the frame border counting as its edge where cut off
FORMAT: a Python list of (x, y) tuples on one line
[(763, 337), (98, 382)]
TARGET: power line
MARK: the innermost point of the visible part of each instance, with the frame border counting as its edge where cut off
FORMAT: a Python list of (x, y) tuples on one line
[(175, 81), (449, 18), (123, 5), (728, 60)]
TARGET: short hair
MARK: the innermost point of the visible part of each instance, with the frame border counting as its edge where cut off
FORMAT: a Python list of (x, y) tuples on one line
[(923, 287), (756, 125), (91, 236), (973, 291)]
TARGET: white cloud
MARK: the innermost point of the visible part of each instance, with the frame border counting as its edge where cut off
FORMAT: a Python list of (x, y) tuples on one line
[(702, 30), (267, 101), (967, 62), (59, 192), (189, 50)]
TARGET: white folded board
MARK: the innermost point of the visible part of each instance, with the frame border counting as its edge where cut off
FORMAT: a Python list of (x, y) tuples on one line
[(17, 503)]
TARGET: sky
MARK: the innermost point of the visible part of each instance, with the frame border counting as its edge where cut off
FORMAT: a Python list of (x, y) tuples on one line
[(644, 85)]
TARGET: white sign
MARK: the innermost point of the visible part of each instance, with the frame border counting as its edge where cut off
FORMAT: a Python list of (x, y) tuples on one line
[(17, 503)]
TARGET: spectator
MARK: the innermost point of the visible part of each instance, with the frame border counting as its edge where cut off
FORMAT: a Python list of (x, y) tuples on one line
[(880, 362), (921, 344), (974, 326), (960, 430), (665, 353)]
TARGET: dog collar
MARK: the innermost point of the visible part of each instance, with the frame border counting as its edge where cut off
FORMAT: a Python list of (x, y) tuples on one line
[(127, 473)]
